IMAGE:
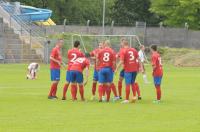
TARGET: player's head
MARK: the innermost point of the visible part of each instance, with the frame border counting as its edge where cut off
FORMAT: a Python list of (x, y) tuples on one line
[(100, 45), (77, 44), (37, 66), (121, 42), (125, 43), (60, 42), (154, 47), (107, 43), (142, 47)]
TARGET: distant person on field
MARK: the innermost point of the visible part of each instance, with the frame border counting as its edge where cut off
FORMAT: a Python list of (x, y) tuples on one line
[(76, 76), (32, 70), (137, 89), (72, 55), (142, 60), (106, 61), (121, 76), (129, 59), (55, 64), (93, 55), (157, 71)]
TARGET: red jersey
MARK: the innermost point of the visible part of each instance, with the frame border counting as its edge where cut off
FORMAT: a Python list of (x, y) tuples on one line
[(120, 52), (56, 54), (94, 53), (129, 56), (156, 62), (80, 64), (106, 57), (72, 55)]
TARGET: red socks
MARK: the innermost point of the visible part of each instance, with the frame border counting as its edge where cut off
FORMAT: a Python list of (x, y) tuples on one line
[(137, 89), (158, 92), (120, 88), (73, 91), (134, 90), (76, 89), (53, 89), (100, 91), (94, 85), (113, 88), (65, 89), (108, 91), (81, 90), (127, 92), (104, 90)]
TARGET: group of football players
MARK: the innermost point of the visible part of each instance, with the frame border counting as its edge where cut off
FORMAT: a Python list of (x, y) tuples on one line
[(106, 63)]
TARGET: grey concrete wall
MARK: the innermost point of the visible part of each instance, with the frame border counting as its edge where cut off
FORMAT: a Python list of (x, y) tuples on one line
[(164, 36), (86, 30)]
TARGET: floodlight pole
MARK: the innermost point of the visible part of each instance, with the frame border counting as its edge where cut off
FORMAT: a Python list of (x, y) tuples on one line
[(88, 24), (103, 23), (64, 24)]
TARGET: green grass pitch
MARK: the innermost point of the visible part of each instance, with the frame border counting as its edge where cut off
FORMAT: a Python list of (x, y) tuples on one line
[(24, 106)]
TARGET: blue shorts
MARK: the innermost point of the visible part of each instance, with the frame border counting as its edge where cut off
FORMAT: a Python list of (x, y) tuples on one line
[(157, 80), (130, 77), (76, 77), (105, 75), (68, 76), (55, 74), (95, 75), (122, 73)]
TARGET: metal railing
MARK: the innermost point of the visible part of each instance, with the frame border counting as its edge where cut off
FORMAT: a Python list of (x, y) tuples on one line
[(24, 21), (28, 31)]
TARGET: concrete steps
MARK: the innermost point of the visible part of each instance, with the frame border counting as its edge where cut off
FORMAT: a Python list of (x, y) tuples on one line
[(16, 50)]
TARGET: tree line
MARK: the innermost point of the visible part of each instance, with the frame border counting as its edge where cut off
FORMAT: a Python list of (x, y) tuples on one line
[(123, 12)]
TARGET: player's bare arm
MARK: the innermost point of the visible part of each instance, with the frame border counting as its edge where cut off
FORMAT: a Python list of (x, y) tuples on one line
[(55, 60), (87, 75), (119, 65)]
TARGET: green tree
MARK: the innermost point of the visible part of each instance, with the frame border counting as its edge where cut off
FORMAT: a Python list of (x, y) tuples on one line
[(127, 12), (178, 12), (75, 11)]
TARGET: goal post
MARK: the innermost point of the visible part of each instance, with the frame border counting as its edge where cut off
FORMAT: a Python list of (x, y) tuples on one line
[(90, 42)]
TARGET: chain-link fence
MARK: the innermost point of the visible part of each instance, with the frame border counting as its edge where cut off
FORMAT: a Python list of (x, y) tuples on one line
[(15, 48), (161, 35)]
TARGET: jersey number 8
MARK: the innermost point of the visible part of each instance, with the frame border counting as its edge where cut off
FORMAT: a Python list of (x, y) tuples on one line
[(106, 56)]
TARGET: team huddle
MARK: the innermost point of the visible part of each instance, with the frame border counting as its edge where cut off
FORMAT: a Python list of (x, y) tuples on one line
[(106, 63)]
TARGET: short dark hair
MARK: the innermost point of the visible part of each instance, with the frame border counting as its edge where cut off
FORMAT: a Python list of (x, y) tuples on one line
[(154, 47), (76, 43)]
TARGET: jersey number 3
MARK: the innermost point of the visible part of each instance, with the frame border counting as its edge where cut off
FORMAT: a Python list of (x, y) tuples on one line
[(131, 55)]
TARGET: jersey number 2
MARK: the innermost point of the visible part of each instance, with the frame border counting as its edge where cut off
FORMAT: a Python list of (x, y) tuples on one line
[(74, 57)]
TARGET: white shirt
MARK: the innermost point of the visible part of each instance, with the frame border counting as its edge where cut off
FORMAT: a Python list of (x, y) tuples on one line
[(32, 66), (141, 56)]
